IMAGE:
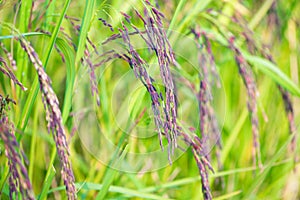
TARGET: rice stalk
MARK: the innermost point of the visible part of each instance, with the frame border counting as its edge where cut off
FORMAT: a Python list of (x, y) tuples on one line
[(54, 119), (155, 38), (18, 177), (249, 82)]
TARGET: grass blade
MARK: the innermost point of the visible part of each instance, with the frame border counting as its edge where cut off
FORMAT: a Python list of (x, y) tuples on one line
[(122, 190), (70, 64), (84, 28), (174, 18), (271, 70), (34, 89), (229, 195), (110, 172), (48, 180), (3, 37)]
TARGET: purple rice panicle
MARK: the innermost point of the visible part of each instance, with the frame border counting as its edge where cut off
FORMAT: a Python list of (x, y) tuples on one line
[(291, 118), (156, 40), (253, 47), (18, 177), (202, 161), (208, 122), (92, 45), (9, 73), (212, 64), (248, 79), (105, 23), (93, 79), (288, 105), (118, 35), (54, 118), (87, 58), (108, 56), (9, 56), (209, 127), (139, 66)]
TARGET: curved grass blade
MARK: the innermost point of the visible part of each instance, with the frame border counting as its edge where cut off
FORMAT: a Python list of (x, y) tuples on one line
[(125, 191), (200, 6), (110, 172), (174, 18), (70, 64), (229, 195), (47, 183), (34, 89), (271, 70), (22, 34), (84, 28)]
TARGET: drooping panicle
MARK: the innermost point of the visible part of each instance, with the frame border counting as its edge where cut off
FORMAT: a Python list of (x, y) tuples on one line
[(164, 106), (248, 79), (18, 176), (54, 118), (7, 71), (86, 58), (207, 70), (105, 23), (139, 67), (157, 40), (202, 161), (9, 56)]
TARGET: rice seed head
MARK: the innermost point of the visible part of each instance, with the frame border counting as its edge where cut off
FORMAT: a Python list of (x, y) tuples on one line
[(201, 160), (105, 23), (9, 56), (18, 177), (54, 118), (165, 110), (7, 71), (208, 123), (86, 59), (249, 82)]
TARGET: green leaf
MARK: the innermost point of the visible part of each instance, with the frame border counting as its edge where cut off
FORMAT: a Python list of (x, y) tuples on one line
[(122, 190), (197, 8), (47, 183), (84, 28), (34, 89), (70, 64), (22, 34), (110, 171), (174, 18), (229, 195), (271, 70)]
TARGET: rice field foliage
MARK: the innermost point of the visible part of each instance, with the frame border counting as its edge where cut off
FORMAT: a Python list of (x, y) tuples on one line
[(149, 99)]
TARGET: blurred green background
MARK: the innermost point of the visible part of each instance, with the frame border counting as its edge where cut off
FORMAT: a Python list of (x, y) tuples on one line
[(100, 169)]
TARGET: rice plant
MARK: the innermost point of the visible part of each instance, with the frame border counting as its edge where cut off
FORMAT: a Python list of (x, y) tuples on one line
[(149, 99)]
